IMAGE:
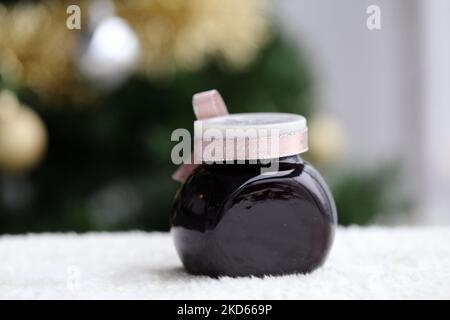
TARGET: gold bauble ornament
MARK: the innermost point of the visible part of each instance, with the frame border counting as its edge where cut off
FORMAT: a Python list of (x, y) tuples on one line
[(23, 136), (326, 139)]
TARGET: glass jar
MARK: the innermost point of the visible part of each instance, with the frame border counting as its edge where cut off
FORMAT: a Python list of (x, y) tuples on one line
[(236, 219)]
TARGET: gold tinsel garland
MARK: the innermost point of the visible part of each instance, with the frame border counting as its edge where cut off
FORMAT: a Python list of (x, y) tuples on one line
[(38, 51), (35, 49), (184, 34)]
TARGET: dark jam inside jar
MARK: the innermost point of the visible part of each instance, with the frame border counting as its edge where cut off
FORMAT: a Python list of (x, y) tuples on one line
[(232, 220)]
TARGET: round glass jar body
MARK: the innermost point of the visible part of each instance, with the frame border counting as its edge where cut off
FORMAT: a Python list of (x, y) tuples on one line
[(232, 220)]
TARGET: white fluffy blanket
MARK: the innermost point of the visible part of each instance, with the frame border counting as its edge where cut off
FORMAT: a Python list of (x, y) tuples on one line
[(367, 263)]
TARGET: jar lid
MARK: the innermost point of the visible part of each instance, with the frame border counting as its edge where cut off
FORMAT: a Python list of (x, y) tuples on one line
[(260, 122), (219, 136), (249, 136)]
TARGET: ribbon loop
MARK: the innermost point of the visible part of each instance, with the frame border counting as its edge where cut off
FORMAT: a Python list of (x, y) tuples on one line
[(206, 104)]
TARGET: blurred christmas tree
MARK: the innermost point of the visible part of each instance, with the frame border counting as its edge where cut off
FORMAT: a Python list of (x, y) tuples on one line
[(109, 114)]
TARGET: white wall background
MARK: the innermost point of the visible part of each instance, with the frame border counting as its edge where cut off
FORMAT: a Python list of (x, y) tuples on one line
[(390, 88)]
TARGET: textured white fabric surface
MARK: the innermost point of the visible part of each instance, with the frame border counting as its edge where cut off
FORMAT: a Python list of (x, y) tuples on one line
[(365, 263)]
